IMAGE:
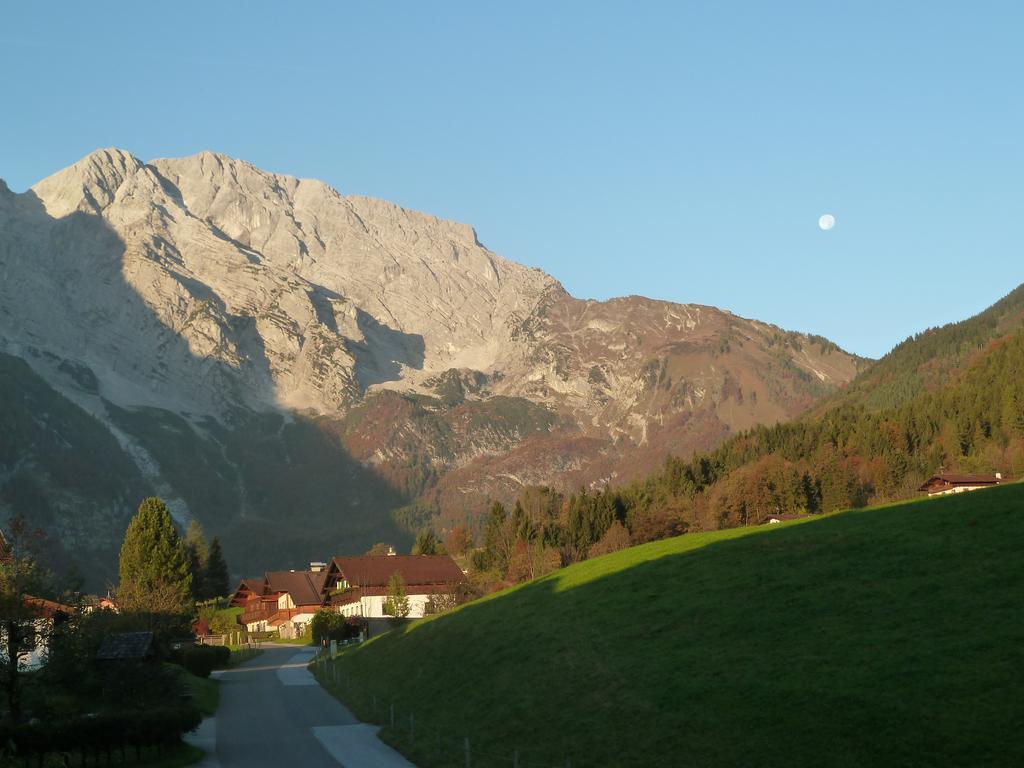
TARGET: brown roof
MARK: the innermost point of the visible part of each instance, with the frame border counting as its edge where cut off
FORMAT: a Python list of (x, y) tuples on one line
[(949, 478), (376, 570), (255, 586), (47, 609), (305, 587)]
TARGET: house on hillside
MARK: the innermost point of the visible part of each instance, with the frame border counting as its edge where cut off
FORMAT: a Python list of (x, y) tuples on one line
[(282, 601), (359, 585), (947, 482)]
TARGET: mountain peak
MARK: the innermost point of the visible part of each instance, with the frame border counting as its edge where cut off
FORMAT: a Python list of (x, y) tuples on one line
[(89, 185)]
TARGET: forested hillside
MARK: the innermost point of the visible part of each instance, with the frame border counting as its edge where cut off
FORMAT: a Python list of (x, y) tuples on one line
[(927, 359), (966, 414)]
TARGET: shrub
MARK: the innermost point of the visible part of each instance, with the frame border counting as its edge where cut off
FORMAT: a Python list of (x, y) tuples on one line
[(102, 733), (200, 659)]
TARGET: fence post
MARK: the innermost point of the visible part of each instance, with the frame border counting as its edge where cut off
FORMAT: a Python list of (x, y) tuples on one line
[(469, 763), (412, 728), (392, 714), (515, 759), (568, 763), (375, 707)]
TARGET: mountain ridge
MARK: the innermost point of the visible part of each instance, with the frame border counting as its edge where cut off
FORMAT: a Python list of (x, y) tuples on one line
[(204, 296)]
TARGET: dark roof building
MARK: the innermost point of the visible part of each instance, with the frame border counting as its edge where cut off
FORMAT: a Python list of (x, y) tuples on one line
[(949, 482), (126, 646), (304, 587)]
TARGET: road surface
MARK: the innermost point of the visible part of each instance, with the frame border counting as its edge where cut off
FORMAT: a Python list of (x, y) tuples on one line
[(273, 713)]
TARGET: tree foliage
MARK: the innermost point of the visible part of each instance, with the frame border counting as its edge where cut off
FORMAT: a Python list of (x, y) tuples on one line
[(198, 553), (849, 456), (397, 603), (154, 566), (427, 543), (215, 575)]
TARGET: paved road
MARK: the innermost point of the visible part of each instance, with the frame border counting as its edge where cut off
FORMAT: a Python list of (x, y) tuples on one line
[(273, 713)]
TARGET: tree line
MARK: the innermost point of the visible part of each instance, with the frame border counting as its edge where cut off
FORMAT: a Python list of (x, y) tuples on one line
[(851, 456)]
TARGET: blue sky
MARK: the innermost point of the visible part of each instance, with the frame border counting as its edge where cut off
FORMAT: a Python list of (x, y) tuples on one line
[(680, 150)]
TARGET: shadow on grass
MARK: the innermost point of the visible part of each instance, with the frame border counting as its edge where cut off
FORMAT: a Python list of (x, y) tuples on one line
[(887, 636)]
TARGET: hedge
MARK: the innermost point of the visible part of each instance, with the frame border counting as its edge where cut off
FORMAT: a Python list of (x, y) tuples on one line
[(101, 733)]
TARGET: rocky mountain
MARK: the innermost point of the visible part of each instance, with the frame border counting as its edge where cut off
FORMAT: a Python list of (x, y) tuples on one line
[(298, 367)]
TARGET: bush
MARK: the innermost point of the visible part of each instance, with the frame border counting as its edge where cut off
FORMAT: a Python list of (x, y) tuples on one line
[(328, 625), (201, 659)]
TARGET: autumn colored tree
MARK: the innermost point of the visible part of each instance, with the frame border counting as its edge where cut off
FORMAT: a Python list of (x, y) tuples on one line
[(458, 541), (615, 538)]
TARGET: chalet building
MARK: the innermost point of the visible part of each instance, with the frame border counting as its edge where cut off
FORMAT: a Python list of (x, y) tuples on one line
[(944, 483), (359, 585), (285, 601)]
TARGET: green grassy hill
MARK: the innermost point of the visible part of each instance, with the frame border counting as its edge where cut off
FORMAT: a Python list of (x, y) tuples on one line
[(882, 636)]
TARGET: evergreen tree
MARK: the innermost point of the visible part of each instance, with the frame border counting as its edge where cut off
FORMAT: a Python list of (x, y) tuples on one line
[(498, 537), (397, 604), (198, 553), (215, 581), (154, 566), (426, 543)]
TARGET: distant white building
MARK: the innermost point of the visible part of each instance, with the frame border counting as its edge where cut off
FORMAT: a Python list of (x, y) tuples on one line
[(945, 483)]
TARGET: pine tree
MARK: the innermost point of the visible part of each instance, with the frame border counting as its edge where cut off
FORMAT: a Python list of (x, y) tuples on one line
[(215, 578), (154, 566), (426, 543), (198, 553)]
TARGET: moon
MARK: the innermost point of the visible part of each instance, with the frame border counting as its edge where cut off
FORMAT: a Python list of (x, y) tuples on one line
[(826, 222)]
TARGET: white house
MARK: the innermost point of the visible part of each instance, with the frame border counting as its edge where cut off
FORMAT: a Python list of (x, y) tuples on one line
[(359, 585), (945, 483)]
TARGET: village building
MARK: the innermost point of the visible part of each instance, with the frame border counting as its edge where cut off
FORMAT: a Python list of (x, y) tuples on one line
[(47, 615), (359, 585), (947, 482), (356, 587), (282, 601)]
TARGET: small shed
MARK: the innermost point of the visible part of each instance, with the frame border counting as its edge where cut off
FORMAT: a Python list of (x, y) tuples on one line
[(127, 646)]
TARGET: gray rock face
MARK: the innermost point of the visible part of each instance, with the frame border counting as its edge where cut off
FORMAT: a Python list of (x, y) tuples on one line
[(203, 282)]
